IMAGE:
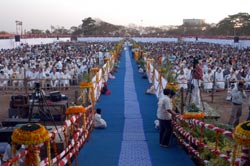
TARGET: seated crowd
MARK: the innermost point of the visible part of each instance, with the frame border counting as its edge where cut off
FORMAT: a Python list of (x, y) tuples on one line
[(221, 64), (53, 65)]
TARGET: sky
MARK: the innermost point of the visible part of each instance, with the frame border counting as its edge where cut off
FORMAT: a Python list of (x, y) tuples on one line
[(41, 14)]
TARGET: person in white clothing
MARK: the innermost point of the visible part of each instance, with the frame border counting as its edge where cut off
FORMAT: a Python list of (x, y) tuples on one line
[(32, 76), (54, 78), (20, 77), (3, 79), (41, 77), (182, 80), (208, 81), (220, 82), (99, 122), (8, 154), (247, 80), (151, 89), (65, 79)]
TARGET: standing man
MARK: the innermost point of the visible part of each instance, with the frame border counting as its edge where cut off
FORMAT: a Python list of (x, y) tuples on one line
[(248, 117), (196, 83), (164, 115), (237, 99)]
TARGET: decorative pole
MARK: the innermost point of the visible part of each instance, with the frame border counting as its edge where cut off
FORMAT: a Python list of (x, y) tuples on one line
[(32, 135), (241, 135)]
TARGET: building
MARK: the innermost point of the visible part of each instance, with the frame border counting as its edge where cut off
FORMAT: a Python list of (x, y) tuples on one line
[(194, 22)]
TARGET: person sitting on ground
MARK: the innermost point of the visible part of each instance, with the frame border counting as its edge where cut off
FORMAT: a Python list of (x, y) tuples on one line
[(140, 69), (8, 153), (144, 74), (248, 117), (99, 122), (105, 90), (110, 75), (151, 89)]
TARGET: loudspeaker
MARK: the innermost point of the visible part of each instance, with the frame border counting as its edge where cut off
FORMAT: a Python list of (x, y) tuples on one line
[(236, 39), (73, 38), (17, 38), (55, 96)]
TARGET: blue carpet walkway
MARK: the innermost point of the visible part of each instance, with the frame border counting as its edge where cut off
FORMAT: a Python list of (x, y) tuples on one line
[(130, 138)]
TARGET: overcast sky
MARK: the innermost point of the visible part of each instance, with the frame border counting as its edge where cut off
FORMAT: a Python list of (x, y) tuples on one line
[(41, 14)]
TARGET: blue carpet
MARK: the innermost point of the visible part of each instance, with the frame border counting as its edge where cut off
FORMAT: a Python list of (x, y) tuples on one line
[(172, 156), (130, 138), (134, 149)]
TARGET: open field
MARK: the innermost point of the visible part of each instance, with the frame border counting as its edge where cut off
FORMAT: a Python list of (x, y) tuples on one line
[(220, 104)]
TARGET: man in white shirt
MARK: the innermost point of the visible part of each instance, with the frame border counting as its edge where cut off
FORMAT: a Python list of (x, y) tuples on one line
[(54, 78), (99, 122), (8, 154), (3, 79), (238, 94), (164, 115)]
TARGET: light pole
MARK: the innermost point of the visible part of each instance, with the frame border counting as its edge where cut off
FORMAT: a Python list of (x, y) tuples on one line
[(19, 27)]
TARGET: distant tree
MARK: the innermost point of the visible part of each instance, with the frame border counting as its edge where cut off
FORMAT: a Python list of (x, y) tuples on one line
[(47, 31), (3, 32), (36, 31), (238, 24), (88, 26)]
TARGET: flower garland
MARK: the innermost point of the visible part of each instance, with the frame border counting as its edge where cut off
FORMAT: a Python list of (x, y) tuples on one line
[(241, 133), (75, 110), (172, 86), (106, 59), (193, 112), (30, 134), (86, 84), (95, 69), (151, 60), (193, 115)]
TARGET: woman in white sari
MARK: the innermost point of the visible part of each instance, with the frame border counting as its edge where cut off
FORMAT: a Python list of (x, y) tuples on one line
[(208, 81)]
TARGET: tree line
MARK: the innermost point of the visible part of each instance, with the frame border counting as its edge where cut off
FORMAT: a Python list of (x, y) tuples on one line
[(233, 25)]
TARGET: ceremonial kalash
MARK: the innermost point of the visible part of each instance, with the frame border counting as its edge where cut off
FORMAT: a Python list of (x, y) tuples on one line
[(131, 137)]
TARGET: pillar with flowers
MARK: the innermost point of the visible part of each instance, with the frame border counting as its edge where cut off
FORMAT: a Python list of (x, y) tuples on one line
[(33, 136), (79, 125), (149, 62), (241, 135), (108, 64), (87, 91), (87, 87)]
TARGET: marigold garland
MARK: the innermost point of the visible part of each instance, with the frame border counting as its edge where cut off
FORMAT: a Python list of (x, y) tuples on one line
[(150, 60), (241, 133), (193, 115), (95, 69), (75, 110), (30, 134), (106, 59), (172, 86), (86, 84)]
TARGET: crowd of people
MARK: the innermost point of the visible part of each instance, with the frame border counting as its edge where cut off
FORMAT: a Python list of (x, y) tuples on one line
[(222, 64), (206, 65), (53, 65)]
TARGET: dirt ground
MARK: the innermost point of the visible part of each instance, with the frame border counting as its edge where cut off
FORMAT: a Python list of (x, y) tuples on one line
[(5, 98), (220, 104), (223, 107)]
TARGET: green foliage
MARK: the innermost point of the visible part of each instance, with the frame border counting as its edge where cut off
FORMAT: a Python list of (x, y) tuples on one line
[(209, 138), (142, 63), (167, 72), (237, 24), (192, 108), (87, 77), (213, 159)]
